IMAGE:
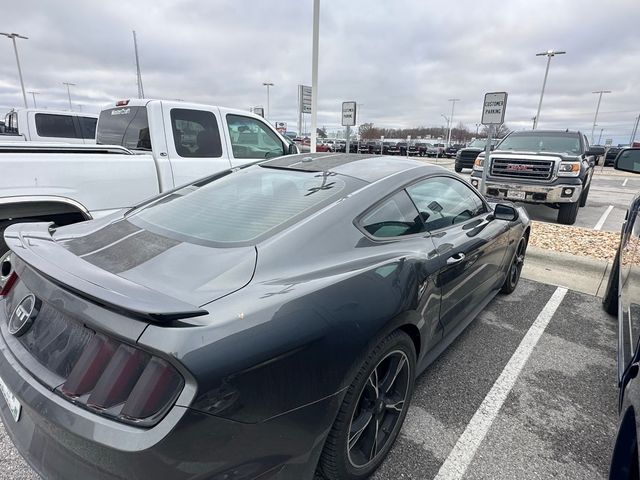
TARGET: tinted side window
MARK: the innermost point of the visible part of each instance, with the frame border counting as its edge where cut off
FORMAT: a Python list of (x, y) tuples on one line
[(394, 217), (444, 201), (251, 138), (49, 125), (195, 133), (88, 127), (126, 126)]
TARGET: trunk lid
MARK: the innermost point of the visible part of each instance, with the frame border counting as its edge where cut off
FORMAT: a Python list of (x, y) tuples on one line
[(125, 267)]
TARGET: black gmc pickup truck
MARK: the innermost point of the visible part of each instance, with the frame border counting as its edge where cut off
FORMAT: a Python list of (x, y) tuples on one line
[(540, 166)]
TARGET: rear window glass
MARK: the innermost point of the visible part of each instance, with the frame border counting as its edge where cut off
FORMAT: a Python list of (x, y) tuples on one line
[(195, 133), (49, 125), (126, 126), (241, 207), (88, 127)]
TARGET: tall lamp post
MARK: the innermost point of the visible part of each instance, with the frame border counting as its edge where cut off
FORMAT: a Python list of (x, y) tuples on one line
[(548, 54), (13, 37), (595, 119), (69, 92), (453, 106), (33, 95), (268, 85)]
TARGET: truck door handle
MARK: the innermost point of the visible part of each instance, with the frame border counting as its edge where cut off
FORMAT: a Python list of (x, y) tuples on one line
[(458, 257)]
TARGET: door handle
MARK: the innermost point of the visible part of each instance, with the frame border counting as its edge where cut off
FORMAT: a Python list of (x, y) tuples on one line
[(458, 257)]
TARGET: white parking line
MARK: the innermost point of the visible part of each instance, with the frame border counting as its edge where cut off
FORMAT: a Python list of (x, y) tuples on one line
[(456, 464), (603, 218), (624, 184)]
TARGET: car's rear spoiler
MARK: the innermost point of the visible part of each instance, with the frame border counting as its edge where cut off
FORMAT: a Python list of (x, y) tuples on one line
[(33, 244)]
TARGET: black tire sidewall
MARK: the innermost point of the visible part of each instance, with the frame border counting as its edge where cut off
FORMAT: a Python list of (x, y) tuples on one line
[(568, 213), (334, 461)]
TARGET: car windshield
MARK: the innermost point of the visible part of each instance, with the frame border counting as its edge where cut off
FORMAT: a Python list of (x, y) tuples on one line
[(242, 206), (478, 144), (543, 142)]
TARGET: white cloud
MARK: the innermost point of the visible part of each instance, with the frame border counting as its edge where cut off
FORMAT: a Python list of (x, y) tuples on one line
[(402, 60)]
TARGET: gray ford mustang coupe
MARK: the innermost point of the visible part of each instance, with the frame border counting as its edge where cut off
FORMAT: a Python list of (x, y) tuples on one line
[(267, 322)]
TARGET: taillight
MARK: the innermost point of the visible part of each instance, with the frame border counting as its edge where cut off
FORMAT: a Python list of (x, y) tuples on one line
[(122, 382), (122, 103)]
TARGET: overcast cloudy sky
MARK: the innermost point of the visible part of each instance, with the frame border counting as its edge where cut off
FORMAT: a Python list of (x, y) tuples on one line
[(400, 60)]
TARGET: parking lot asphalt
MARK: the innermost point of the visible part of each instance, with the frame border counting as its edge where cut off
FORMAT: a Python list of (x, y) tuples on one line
[(558, 419)]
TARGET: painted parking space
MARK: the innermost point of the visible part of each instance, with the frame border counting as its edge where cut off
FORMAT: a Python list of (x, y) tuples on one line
[(558, 419)]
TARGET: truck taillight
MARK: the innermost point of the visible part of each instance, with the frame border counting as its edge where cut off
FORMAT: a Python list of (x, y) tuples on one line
[(8, 284), (122, 382), (122, 103)]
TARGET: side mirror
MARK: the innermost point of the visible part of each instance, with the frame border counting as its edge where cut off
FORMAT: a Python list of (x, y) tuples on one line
[(493, 147), (293, 149), (505, 212), (628, 160)]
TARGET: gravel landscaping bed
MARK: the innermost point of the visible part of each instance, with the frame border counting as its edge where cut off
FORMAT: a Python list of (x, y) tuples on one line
[(574, 240)]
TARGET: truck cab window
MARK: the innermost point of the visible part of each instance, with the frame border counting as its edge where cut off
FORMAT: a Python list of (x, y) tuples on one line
[(126, 126), (49, 125), (251, 138), (195, 133), (88, 127)]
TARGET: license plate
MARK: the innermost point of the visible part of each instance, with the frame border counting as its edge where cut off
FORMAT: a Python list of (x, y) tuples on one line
[(516, 195), (14, 405)]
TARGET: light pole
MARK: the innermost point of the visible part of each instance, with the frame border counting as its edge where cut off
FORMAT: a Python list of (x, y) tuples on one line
[(453, 106), (69, 92), (315, 47), (548, 54), (13, 37), (634, 131), (477, 128), (268, 84), (595, 119), (33, 95), (600, 137), (446, 118)]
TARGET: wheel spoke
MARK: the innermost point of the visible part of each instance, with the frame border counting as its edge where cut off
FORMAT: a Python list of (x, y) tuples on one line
[(373, 382), (392, 374), (358, 427), (374, 447), (396, 406)]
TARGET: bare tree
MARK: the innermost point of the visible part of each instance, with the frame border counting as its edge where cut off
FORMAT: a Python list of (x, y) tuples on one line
[(499, 131)]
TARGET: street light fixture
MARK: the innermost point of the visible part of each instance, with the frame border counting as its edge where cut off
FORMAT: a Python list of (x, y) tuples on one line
[(13, 37), (595, 119), (69, 93), (453, 106), (33, 95), (548, 54), (268, 84)]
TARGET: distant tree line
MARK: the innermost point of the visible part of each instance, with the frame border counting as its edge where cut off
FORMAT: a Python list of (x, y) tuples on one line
[(459, 134)]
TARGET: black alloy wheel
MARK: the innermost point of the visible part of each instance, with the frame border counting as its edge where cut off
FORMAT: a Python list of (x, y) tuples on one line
[(372, 412), (515, 269)]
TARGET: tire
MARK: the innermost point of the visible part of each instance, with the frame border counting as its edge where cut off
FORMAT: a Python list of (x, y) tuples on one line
[(362, 406), (458, 169), (568, 213), (610, 299), (515, 268), (584, 195)]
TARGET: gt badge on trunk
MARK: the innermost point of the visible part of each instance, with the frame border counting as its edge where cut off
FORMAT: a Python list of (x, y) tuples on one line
[(23, 315)]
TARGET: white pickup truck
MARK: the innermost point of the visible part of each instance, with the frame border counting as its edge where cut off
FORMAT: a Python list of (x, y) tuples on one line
[(38, 125), (144, 147)]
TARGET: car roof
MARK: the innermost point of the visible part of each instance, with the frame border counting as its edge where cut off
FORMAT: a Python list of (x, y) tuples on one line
[(369, 168), (538, 132)]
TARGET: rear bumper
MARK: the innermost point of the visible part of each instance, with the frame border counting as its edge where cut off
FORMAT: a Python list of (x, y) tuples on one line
[(565, 190), (62, 441)]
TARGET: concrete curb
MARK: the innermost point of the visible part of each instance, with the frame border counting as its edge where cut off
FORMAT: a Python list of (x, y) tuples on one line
[(582, 274)]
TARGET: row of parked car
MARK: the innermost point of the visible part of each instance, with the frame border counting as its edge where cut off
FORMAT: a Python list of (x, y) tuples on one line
[(386, 147)]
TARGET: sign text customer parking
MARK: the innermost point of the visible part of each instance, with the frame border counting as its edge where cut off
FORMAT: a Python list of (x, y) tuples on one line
[(495, 104)]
